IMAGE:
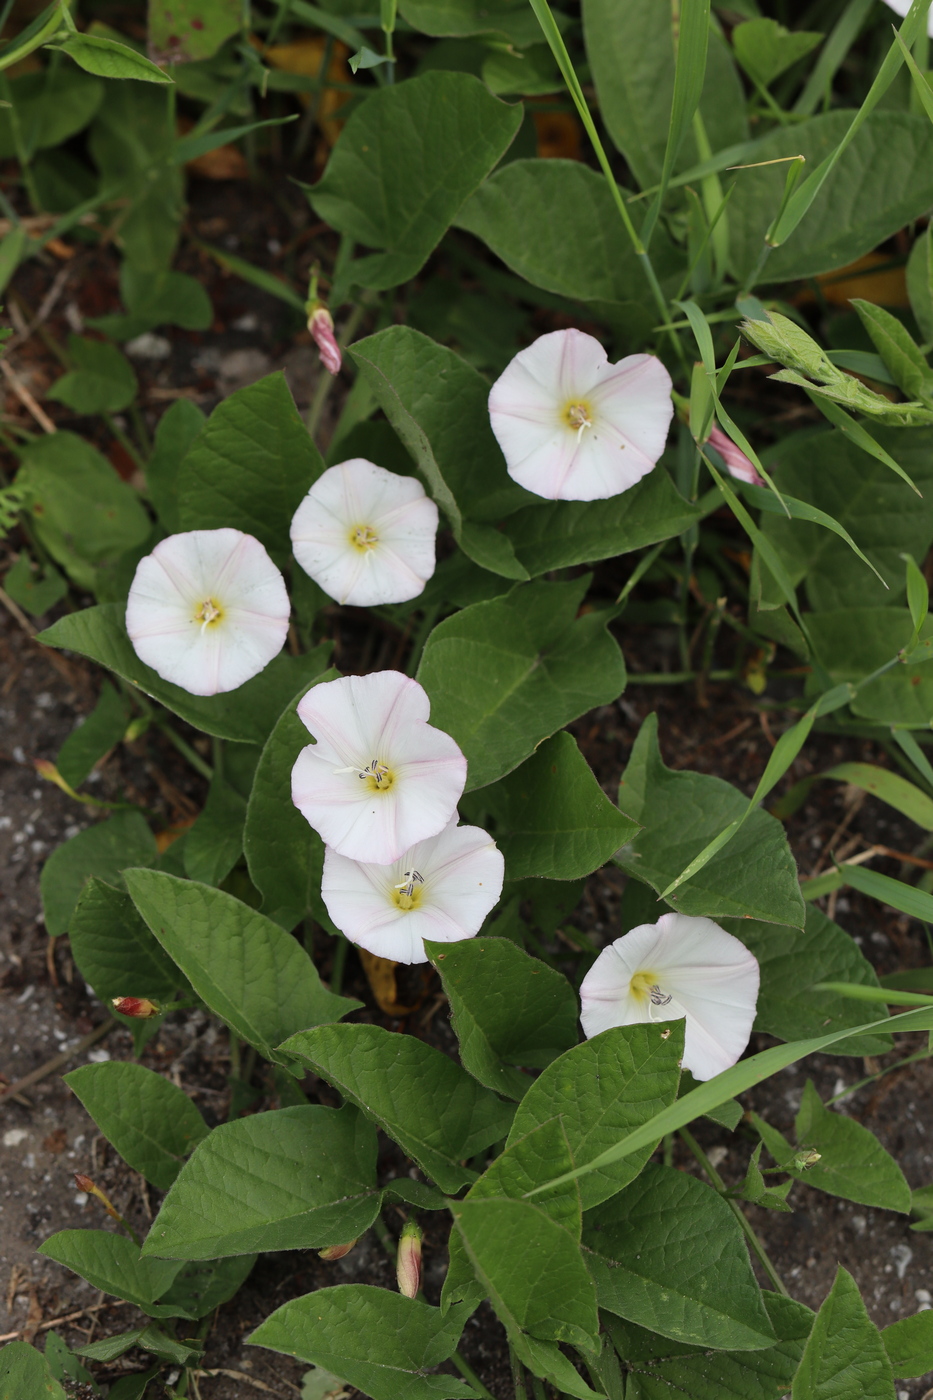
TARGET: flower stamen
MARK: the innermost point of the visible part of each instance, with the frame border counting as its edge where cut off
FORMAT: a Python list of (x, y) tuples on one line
[(207, 614), (406, 898), (578, 416), (364, 538)]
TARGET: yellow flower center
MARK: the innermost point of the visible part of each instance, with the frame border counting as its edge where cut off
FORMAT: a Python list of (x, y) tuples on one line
[(208, 614), (363, 538), (578, 416), (377, 777), (644, 987), (407, 894)]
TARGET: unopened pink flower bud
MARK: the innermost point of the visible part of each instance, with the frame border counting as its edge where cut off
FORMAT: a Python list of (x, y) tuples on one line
[(140, 1007), (321, 326), (735, 459), (408, 1261), (334, 1252)]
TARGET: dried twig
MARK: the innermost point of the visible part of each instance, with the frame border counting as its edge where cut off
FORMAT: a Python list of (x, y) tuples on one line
[(16, 612), (25, 398), (68, 1317), (57, 1061)]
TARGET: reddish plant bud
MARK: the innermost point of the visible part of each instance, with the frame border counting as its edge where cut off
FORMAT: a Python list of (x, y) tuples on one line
[(139, 1007), (335, 1251), (735, 459), (84, 1183), (321, 326), (408, 1261)]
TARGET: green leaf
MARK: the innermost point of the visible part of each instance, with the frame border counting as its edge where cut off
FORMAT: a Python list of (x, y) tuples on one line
[(184, 31), (151, 1339), (433, 1109), (504, 675), (63, 1363), (252, 974), (563, 533), (12, 250), (199, 1288), (437, 404), (550, 816), (531, 1267), (507, 1009), (545, 1359), (404, 164), (163, 298), (604, 1089), (792, 962), (898, 349), (554, 223), (852, 643), (844, 1354), (529, 1162), (295, 1178), (50, 106), (103, 382), (668, 1254), (115, 952), (754, 876), (152, 1124), (531, 73), (905, 797), (720, 1375), (909, 1345), (766, 49), (852, 1164), (920, 282), (881, 182), (83, 514), (37, 592), (379, 1342), (284, 854), (109, 59), (112, 1263), (631, 52), (215, 842), (246, 715), (460, 19), (102, 850), (178, 427), (24, 1372), (100, 732), (251, 466)]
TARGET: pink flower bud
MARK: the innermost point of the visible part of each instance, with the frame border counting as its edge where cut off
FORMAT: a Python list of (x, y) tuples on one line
[(739, 465), (321, 326), (140, 1007), (408, 1261), (334, 1252)]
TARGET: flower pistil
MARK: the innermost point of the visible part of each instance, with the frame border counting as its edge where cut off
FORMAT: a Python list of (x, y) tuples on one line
[(407, 894), (363, 538), (208, 613), (579, 416)]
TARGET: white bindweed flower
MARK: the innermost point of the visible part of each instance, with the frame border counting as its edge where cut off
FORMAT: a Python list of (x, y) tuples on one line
[(901, 7), (573, 427), (440, 889), (365, 535), (379, 778), (207, 610), (679, 967)]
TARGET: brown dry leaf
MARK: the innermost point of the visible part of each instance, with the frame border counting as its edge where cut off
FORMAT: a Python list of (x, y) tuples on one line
[(165, 838), (558, 135), (222, 163), (380, 974), (888, 288), (56, 1141), (305, 57), (33, 1317)]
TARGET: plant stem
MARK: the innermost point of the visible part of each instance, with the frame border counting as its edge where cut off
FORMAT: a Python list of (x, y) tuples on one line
[(675, 677), (518, 1375), (326, 381), (691, 1142), (186, 751), (468, 1374), (125, 442), (336, 972)]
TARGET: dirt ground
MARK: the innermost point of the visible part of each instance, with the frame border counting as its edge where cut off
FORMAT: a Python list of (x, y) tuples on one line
[(46, 1009)]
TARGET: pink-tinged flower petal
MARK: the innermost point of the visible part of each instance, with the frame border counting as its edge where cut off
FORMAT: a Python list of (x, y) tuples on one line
[(738, 465), (571, 426), (321, 326), (380, 719), (232, 573), (702, 974), (365, 535), (459, 879)]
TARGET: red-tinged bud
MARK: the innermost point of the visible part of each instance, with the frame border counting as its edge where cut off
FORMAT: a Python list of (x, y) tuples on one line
[(140, 1007), (408, 1261), (735, 459), (335, 1251), (84, 1183), (321, 326)]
